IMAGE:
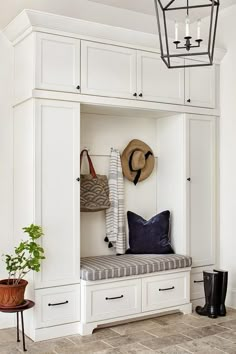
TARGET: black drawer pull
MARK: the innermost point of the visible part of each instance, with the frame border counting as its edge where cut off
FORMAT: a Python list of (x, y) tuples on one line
[(114, 298), (198, 281), (167, 289), (78, 87), (59, 303)]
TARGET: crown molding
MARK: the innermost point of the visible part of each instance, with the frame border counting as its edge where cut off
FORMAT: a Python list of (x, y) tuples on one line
[(31, 20)]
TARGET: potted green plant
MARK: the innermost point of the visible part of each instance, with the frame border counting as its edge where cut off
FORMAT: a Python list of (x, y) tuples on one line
[(27, 257)]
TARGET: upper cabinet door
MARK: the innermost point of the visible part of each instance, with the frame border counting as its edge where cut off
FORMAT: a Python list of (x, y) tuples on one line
[(201, 194), (57, 63), (200, 88), (108, 70), (158, 83)]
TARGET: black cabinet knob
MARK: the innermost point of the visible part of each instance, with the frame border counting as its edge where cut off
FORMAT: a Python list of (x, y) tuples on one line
[(140, 95), (78, 87), (135, 94), (189, 100), (189, 179), (78, 179)]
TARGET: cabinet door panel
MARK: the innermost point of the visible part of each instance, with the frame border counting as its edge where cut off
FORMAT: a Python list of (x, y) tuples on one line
[(201, 189), (200, 86), (57, 191), (108, 70), (158, 83), (57, 63)]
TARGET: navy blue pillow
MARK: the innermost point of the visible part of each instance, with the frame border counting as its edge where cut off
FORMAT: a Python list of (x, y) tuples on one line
[(149, 237)]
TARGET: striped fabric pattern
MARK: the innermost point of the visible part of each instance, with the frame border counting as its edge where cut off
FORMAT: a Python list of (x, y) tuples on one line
[(115, 215), (106, 267)]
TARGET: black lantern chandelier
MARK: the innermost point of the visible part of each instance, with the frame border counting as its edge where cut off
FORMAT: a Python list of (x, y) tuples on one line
[(187, 45)]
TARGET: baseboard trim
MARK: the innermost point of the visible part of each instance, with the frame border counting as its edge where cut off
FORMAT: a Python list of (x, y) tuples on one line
[(68, 329)]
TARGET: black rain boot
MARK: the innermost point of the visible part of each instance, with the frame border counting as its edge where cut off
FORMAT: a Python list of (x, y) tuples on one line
[(210, 308), (222, 290)]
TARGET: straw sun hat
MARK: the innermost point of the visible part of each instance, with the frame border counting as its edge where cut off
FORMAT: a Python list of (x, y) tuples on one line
[(137, 161)]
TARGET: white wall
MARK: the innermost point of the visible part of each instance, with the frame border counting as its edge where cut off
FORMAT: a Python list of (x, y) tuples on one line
[(6, 159), (97, 134), (227, 247)]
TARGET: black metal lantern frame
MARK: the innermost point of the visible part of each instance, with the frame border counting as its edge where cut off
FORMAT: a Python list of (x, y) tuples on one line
[(169, 55)]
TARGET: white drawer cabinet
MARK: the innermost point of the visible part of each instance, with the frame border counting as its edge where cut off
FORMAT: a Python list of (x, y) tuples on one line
[(196, 285), (158, 83), (108, 70), (59, 305), (165, 291), (113, 299)]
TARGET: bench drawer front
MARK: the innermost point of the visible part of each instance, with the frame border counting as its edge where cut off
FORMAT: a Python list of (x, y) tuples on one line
[(58, 305), (165, 291), (197, 285), (111, 300)]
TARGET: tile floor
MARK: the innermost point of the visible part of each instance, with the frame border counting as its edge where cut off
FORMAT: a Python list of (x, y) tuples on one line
[(172, 334)]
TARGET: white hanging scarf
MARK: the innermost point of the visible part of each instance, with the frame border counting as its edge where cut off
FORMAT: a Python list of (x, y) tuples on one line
[(115, 215)]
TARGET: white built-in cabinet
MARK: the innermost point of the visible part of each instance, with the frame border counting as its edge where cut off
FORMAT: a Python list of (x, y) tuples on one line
[(52, 74), (57, 63), (52, 62), (201, 189), (155, 82), (200, 86), (46, 192), (108, 70), (186, 183)]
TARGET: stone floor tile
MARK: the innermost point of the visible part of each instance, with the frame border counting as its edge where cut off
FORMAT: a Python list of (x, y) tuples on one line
[(175, 349), (228, 335), (169, 319), (10, 348), (9, 336), (162, 342), (203, 331), (210, 345), (167, 330), (128, 339), (135, 348), (229, 324), (49, 346), (98, 334), (138, 326), (197, 346), (85, 348)]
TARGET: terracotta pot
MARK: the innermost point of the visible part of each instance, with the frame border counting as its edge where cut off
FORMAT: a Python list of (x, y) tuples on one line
[(12, 295)]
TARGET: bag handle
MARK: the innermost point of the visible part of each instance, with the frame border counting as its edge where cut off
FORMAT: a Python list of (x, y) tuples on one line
[(91, 167)]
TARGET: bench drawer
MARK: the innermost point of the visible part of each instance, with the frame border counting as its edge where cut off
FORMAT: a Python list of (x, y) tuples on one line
[(164, 291), (58, 305), (197, 286), (112, 299)]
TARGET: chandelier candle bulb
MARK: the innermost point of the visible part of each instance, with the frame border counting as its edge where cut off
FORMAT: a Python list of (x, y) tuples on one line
[(187, 26), (176, 31), (199, 29)]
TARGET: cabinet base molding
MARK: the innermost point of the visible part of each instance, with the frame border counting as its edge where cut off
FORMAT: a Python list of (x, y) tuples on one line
[(47, 333), (88, 328)]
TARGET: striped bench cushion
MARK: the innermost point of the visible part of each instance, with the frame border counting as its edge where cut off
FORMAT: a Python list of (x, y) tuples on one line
[(106, 267)]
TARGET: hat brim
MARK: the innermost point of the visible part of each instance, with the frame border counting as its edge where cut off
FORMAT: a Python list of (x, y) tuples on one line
[(149, 165)]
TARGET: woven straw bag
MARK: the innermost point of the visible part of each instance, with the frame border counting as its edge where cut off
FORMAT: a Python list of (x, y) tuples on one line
[(94, 190)]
